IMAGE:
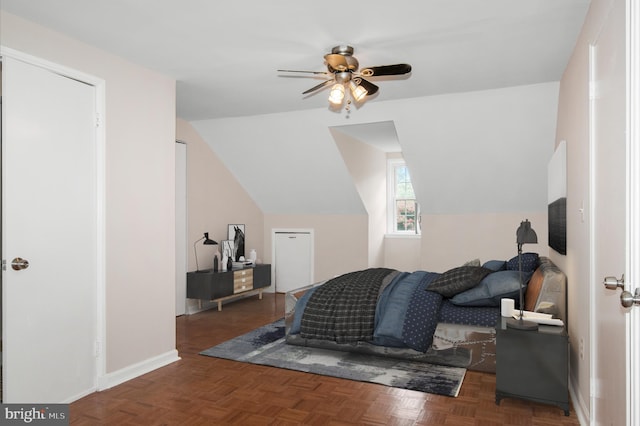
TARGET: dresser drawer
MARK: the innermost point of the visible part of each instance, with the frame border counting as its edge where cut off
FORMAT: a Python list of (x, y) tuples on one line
[(242, 280)]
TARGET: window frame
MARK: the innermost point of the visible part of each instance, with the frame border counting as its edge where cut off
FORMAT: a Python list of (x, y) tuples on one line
[(392, 165)]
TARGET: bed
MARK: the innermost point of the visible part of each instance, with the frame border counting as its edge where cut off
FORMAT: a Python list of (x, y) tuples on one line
[(446, 318)]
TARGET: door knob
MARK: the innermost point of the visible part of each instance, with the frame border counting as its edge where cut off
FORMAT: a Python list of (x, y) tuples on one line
[(628, 300), (18, 264), (612, 283)]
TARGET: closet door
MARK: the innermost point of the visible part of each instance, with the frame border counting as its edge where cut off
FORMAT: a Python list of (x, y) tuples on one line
[(49, 219), (293, 260)]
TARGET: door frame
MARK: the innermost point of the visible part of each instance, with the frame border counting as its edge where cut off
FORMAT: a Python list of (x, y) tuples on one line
[(633, 203), (100, 95), (181, 227)]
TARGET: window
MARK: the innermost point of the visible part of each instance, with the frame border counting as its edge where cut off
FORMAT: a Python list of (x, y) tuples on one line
[(403, 209)]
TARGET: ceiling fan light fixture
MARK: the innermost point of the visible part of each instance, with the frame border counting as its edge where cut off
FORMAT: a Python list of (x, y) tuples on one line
[(336, 96), (343, 76), (357, 91)]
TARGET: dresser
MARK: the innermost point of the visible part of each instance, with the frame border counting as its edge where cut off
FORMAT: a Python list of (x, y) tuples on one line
[(224, 285)]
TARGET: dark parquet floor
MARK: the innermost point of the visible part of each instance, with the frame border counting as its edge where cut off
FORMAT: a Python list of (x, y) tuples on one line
[(199, 390)]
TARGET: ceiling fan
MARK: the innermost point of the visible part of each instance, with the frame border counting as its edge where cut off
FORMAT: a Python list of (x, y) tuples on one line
[(342, 70)]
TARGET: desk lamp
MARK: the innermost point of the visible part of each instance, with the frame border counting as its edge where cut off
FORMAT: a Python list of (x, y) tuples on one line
[(524, 235)]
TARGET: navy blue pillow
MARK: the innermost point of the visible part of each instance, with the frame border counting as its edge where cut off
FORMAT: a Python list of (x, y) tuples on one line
[(529, 262), (495, 286), (495, 265)]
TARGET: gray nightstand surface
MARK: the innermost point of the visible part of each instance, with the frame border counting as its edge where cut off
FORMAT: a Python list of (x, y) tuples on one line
[(533, 365)]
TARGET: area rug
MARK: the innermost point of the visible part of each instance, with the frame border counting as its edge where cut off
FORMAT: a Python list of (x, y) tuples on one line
[(266, 346)]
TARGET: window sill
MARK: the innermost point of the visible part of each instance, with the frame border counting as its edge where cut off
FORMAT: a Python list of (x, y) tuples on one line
[(408, 236)]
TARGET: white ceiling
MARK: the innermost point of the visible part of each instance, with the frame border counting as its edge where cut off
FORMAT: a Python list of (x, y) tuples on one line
[(224, 55)]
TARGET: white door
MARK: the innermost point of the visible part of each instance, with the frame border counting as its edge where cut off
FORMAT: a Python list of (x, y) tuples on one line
[(293, 260), (609, 209), (181, 228), (49, 218)]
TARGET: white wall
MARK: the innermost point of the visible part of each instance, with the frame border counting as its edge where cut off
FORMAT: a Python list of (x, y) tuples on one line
[(140, 205), (487, 151), (368, 168), (480, 152)]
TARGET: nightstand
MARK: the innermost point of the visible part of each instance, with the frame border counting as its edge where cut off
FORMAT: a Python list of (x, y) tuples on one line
[(533, 365)]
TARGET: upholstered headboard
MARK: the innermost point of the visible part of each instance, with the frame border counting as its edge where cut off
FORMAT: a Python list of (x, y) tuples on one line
[(547, 290)]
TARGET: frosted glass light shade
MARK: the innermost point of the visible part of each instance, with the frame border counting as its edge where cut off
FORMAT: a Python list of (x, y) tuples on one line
[(357, 91), (336, 96)]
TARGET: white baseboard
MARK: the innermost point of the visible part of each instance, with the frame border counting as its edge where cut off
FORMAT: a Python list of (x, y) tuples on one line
[(79, 396), (581, 409), (110, 380)]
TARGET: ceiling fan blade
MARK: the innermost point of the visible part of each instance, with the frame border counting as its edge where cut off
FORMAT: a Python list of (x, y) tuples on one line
[(337, 62), (371, 88), (307, 72), (319, 86), (396, 69)]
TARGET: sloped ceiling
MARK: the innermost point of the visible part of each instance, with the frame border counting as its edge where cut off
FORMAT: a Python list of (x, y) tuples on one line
[(224, 57), (381, 135)]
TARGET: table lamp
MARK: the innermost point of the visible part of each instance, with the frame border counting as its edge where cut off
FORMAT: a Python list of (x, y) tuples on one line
[(207, 242), (524, 235)]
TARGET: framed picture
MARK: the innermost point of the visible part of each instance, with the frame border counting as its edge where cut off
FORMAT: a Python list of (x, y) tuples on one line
[(557, 199), (227, 248), (236, 234)]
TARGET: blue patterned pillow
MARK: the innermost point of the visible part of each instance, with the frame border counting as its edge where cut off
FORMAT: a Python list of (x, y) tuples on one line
[(469, 315), (529, 262), (421, 318)]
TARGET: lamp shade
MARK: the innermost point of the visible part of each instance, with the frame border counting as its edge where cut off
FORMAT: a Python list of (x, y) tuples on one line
[(207, 241), (524, 233), (357, 91), (337, 94)]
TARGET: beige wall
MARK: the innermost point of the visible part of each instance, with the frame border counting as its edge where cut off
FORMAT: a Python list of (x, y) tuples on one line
[(215, 199), (451, 240), (340, 241), (403, 253), (573, 127), (140, 181)]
